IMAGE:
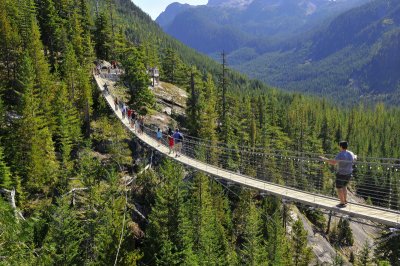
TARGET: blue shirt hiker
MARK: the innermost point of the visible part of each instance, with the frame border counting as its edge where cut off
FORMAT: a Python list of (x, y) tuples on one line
[(345, 162), (176, 137)]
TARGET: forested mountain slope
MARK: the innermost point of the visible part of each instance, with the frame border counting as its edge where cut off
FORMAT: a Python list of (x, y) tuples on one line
[(348, 58), (230, 25), (140, 28), (351, 59)]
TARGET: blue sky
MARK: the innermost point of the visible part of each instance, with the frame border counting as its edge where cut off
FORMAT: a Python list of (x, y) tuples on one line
[(155, 7)]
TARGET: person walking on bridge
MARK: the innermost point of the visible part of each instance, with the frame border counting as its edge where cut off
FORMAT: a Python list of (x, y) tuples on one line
[(159, 136), (345, 160), (170, 140), (105, 87), (178, 143), (141, 124)]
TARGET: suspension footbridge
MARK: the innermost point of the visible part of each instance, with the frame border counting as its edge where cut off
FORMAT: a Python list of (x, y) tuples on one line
[(294, 176)]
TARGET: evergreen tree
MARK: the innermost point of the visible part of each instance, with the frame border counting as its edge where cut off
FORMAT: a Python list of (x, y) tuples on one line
[(172, 68), (352, 258), (151, 53), (65, 236), (111, 130), (102, 37), (43, 84), (67, 134), (208, 115), (169, 65), (121, 44), (85, 17), (76, 76), (13, 239), (136, 79), (5, 179), (78, 39), (302, 255), (220, 201), (35, 159), (10, 49), (364, 255), (194, 104), (90, 171), (277, 244), (166, 239), (252, 250), (337, 259), (316, 217), (69, 69), (111, 225), (25, 18), (345, 234), (110, 5), (210, 237), (389, 249), (50, 23), (78, 24), (245, 121)]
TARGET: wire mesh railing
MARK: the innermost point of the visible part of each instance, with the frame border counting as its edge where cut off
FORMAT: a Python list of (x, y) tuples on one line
[(375, 181)]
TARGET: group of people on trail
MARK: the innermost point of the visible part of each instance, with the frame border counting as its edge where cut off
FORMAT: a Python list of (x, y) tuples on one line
[(175, 140), (99, 67), (344, 159), (136, 121)]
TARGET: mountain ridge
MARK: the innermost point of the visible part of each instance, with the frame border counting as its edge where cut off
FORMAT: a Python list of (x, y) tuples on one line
[(358, 63), (350, 54), (229, 3), (279, 18)]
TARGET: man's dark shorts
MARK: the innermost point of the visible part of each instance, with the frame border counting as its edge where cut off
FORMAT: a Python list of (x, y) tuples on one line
[(342, 180)]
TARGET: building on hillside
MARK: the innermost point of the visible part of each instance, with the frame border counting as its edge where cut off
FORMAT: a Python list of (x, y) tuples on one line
[(154, 75)]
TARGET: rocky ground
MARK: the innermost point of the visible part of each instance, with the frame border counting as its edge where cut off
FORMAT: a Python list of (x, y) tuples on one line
[(171, 105), (323, 250)]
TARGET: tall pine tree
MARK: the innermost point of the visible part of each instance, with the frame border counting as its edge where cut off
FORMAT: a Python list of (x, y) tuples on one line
[(137, 80), (35, 158)]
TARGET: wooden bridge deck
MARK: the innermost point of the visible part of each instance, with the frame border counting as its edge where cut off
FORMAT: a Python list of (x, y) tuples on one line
[(375, 214)]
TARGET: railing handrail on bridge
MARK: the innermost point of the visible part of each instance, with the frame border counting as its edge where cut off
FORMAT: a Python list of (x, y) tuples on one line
[(382, 215)]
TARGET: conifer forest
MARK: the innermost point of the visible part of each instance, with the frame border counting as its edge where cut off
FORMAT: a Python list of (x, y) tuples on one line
[(74, 186)]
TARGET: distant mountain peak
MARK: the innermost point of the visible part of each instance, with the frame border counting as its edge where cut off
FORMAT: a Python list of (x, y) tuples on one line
[(229, 3)]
